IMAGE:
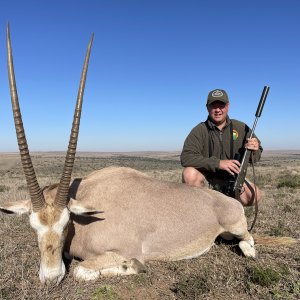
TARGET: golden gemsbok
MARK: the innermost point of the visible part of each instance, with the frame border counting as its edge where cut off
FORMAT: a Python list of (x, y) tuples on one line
[(115, 219)]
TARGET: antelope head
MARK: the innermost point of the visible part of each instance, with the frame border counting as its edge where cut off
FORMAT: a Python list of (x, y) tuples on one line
[(48, 208)]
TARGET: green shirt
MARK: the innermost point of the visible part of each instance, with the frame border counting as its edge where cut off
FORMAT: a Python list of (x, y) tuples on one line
[(206, 137)]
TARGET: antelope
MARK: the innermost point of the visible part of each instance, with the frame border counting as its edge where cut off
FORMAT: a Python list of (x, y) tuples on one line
[(116, 218)]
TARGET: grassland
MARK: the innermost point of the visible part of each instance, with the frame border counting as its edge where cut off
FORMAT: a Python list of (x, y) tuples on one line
[(222, 273)]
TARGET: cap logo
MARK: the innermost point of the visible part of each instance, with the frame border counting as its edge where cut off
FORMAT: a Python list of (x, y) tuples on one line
[(217, 93)]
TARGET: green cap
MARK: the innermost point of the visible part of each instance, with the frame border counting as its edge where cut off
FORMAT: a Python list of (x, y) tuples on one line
[(217, 95)]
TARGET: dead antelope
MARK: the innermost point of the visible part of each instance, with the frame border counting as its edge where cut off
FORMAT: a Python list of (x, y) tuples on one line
[(116, 219)]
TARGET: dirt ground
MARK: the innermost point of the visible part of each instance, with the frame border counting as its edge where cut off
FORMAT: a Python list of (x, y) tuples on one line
[(221, 273)]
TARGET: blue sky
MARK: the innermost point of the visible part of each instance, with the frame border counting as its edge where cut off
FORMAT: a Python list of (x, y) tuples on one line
[(151, 68)]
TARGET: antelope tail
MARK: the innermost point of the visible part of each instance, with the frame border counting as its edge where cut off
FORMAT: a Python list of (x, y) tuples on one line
[(274, 240)]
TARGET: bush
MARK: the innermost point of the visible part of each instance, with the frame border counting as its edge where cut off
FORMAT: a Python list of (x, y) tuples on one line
[(290, 181), (3, 188), (191, 288), (280, 229), (263, 276), (105, 292)]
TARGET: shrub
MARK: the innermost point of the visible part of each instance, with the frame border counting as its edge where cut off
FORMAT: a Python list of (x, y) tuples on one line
[(290, 181), (3, 188), (263, 276), (191, 288), (105, 292), (279, 229)]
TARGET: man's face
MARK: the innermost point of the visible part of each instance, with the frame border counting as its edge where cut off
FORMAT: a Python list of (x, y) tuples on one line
[(218, 111)]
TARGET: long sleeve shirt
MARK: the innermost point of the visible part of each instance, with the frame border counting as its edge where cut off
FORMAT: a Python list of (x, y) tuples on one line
[(206, 145)]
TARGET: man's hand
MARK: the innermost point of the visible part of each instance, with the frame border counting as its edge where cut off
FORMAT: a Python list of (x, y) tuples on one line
[(231, 166), (252, 144)]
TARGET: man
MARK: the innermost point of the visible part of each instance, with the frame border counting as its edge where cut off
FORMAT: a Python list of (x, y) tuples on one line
[(212, 149)]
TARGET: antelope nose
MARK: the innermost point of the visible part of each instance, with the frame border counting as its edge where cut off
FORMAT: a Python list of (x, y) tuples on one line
[(52, 274)]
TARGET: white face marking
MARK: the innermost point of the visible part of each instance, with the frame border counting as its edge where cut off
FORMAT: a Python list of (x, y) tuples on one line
[(62, 222), (56, 271), (58, 227), (37, 226)]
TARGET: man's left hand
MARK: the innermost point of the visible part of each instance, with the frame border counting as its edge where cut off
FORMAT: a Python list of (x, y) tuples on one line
[(252, 144)]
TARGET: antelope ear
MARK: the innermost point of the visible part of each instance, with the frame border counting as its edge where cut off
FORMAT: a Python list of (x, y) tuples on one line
[(77, 208), (17, 207)]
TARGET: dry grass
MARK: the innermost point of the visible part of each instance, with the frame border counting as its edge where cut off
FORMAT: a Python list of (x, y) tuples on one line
[(222, 273)]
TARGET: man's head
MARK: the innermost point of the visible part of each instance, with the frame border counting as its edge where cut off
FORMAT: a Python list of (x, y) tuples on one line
[(217, 106), (217, 95)]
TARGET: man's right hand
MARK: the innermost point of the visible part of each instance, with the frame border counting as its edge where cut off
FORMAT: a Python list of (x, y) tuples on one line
[(231, 166)]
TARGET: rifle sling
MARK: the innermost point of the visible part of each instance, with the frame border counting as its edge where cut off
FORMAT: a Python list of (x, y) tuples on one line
[(255, 196)]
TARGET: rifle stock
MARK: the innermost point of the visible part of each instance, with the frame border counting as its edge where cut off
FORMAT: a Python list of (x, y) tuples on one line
[(235, 186)]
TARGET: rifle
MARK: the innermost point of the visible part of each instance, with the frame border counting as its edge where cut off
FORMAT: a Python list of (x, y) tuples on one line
[(235, 184)]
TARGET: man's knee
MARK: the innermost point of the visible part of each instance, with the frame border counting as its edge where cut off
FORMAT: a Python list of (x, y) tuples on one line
[(192, 176), (251, 194)]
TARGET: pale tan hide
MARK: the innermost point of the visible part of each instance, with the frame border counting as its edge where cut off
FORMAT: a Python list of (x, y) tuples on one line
[(145, 218), (140, 218)]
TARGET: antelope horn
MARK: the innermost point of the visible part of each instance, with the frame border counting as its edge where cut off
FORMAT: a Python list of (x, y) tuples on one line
[(35, 192), (63, 188)]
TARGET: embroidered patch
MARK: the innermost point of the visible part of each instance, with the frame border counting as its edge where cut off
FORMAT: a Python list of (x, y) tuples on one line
[(235, 134), (217, 93)]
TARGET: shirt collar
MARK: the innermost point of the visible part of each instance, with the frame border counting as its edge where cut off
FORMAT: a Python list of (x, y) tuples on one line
[(212, 125)]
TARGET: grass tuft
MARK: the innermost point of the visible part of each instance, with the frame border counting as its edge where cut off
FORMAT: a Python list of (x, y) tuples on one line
[(263, 276), (191, 288), (105, 292), (3, 188), (280, 229)]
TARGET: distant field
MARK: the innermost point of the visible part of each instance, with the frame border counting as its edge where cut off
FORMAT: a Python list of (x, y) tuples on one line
[(222, 273)]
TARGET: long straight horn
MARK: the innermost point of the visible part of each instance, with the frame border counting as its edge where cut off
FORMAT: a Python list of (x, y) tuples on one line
[(63, 188), (35, 192)]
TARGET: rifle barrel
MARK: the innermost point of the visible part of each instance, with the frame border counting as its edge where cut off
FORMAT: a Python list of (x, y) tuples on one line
[(243, 168), (262, 101)]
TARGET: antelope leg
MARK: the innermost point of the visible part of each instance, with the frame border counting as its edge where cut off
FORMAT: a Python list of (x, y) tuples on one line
[(108, 264)]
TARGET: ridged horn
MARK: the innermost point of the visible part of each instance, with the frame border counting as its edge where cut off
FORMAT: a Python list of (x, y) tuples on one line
[(63, 188), (35, 192)]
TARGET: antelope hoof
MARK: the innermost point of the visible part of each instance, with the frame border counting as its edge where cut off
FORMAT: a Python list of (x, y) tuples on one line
[(137, 266), (248, 249)]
